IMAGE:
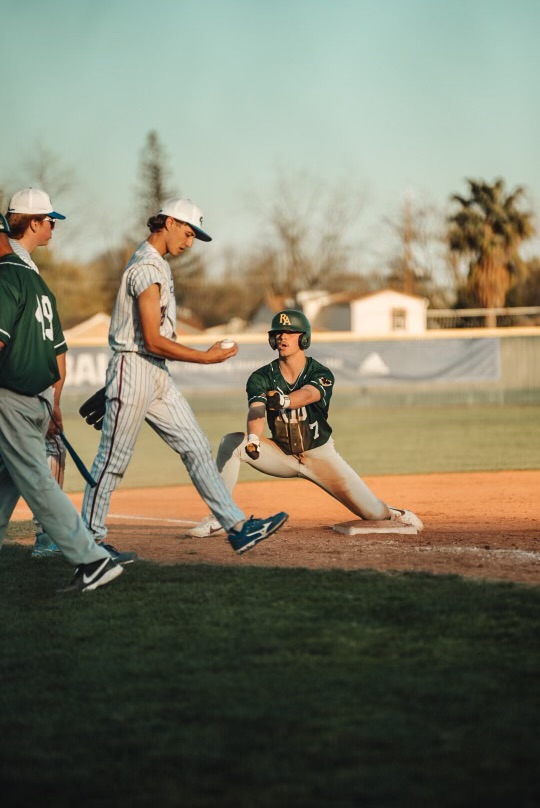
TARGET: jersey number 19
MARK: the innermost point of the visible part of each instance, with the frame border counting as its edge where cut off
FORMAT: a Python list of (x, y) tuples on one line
[(44, 316)]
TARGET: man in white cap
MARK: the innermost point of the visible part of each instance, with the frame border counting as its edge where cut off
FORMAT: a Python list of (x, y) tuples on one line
[(139, 386), (31, 339), (32, 219)]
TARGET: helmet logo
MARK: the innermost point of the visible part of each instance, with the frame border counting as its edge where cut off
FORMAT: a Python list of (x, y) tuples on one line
[(283, 319)]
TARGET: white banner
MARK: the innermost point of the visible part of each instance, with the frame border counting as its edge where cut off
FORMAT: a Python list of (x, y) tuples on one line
[(363, 364)]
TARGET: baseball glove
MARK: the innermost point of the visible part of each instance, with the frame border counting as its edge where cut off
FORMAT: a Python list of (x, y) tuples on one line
[(93, 409)]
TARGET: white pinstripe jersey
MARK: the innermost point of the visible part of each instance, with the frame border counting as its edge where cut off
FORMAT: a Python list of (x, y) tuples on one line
[(23, 254), (146, 266)]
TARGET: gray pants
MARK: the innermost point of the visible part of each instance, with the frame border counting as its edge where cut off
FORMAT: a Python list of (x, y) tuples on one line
[(322, 466), (56, 460), (24, 472)]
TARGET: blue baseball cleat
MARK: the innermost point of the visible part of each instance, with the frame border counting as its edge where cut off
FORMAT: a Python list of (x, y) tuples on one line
[(255, 530), (44, 547), (120, 556)]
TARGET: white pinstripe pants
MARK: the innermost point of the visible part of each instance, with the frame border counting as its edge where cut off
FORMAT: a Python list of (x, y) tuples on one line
[(140, 388)]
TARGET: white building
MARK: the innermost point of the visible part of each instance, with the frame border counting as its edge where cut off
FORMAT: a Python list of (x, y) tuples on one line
[(388, 312), (385, 312)]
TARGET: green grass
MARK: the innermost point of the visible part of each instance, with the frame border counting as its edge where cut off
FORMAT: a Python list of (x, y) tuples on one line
[(208, 686), (417, 440), (230, 686)]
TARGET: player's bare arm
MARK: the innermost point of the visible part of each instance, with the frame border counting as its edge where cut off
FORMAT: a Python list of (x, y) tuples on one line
[(275, 400), (148, 304), (256, 419), (305, 395), (57, 388)]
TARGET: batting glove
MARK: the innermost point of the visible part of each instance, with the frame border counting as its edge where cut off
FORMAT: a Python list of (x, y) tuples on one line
[(277, 401), (253, 446)]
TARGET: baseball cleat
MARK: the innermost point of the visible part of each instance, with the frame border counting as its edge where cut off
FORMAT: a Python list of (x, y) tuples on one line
[(44, 547), (405, 518), (90, 576), (255, 530), (208, 526), (119, 556)]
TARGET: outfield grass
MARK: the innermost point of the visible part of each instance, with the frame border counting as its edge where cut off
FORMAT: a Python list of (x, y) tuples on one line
[(208, 686), (416, 440)]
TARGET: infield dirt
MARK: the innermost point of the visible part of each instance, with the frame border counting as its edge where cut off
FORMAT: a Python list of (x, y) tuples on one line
[(479, 525)]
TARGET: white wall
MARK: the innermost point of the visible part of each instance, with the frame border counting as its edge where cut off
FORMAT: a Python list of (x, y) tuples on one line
[(377, 314)]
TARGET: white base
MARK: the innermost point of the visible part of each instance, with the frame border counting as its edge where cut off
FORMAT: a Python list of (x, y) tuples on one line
[(372, 526)]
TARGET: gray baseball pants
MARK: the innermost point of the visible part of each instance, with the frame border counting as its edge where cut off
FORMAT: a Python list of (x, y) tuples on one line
[(24, 472), (322, 466)]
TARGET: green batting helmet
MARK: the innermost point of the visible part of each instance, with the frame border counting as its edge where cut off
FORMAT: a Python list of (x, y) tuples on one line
[(290, 320)]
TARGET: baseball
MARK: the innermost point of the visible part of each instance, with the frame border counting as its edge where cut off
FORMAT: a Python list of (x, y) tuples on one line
[(227, 343)]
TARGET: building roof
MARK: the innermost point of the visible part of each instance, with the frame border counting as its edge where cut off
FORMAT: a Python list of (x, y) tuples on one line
[(94, 332)]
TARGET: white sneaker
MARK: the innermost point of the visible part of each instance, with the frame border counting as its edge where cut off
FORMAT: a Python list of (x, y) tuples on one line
[(208, 526), (405, 518)]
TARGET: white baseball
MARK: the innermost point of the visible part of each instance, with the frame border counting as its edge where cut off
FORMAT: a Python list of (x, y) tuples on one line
[(227, 343)]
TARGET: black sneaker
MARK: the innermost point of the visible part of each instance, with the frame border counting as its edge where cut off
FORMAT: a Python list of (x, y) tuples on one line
[(90, 576), (255, 530), (119, 555)]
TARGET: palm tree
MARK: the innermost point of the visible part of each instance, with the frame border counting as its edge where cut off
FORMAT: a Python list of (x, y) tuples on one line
[(488, 229)]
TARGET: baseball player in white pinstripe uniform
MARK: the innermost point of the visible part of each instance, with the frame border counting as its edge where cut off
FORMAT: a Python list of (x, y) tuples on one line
[(139, 387), (32, 219)]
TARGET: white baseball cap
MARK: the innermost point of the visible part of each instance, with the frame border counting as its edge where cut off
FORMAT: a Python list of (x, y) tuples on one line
[(185, 211), (33, 201)]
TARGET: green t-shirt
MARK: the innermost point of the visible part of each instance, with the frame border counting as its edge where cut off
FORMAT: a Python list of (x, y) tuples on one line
[(30, 329), (304, 428)]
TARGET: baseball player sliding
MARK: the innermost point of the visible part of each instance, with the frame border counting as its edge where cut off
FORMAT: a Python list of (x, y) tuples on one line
[(139, 387), (293, 395)]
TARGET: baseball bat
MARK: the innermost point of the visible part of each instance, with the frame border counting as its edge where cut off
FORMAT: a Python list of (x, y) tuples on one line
[(78, 462), (74, 456)]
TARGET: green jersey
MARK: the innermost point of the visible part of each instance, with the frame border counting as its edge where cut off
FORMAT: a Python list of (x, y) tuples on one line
[(30, 329), (295, 430)]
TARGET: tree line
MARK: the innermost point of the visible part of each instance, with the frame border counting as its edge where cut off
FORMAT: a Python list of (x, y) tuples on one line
[(466, 257)]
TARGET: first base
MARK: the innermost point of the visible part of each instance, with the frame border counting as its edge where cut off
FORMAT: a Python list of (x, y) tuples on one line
[(372, 526)]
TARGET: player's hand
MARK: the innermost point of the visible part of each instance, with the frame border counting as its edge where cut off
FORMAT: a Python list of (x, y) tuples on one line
[(276, 401), (53, 428), (218, 354), (253, 446)]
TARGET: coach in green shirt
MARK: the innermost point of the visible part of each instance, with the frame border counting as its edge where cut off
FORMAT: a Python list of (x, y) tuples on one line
[(30, 339)]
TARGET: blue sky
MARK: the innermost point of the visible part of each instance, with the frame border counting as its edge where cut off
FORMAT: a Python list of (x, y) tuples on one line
[(385, 96)]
